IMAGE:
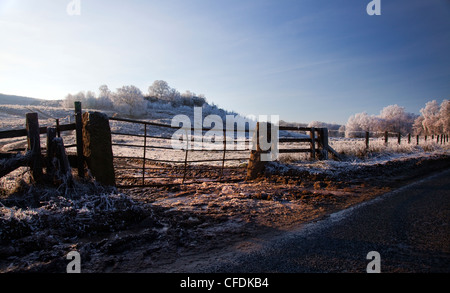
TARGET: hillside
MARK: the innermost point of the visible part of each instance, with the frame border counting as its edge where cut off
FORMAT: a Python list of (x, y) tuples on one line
[(25, 101), (18, 100)]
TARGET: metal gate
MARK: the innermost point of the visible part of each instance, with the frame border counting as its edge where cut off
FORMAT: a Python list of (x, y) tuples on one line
[(145, 155)]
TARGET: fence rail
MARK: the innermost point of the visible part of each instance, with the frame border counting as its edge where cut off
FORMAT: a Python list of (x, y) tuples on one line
[(42, 130), (316, 140)]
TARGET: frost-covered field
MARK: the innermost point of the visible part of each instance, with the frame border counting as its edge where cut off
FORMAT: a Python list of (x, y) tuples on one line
[(353, 150), (13, 117), (167, 228), (355, 155)]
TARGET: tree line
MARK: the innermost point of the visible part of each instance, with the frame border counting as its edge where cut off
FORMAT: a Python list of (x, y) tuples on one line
[(131, 101), (434, 119)]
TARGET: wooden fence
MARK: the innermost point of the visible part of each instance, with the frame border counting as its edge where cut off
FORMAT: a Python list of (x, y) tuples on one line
[(38, 158), (397, 136), (145, 170), (316, 139)]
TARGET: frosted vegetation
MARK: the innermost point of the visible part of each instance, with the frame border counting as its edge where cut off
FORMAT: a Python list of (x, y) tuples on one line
[(434, 119), (161, 103), (88, 207), (132, 102)]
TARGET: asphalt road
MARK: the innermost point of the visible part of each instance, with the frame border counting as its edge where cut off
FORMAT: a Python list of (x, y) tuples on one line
[(408, 228)]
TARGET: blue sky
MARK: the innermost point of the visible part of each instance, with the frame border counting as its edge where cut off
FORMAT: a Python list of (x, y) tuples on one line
[(304, 60)]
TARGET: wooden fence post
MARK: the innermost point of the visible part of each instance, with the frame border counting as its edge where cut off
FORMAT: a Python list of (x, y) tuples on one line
[(64, 172), (51, 134), (312, 135), (34, 145), (79, 135), (417, 138), (57, 128), (367, 140), (224, 150), (143, 158), (399, 138), (409, 138), (186, 152), (386, 137), (323, 143)]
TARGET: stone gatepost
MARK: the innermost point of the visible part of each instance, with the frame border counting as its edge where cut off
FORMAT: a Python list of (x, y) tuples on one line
[(97, 147), (256, 165)]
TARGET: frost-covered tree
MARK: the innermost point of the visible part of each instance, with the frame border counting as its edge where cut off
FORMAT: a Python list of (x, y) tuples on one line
[(391, 118), (330, 126), (394, 118), (444, 116), (435, 118), (104, 99), (362, 122), (431, 117), (191, 99), (174, 97), (159, 89), (418, 126), (70, 99), (359, 123), (90, 100), (316, 124), (130, 101)]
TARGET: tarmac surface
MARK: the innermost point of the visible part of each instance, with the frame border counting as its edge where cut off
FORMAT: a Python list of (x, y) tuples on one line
[(405, 231)]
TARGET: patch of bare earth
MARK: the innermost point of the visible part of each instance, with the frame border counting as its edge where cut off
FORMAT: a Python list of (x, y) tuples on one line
[(187, 227)]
